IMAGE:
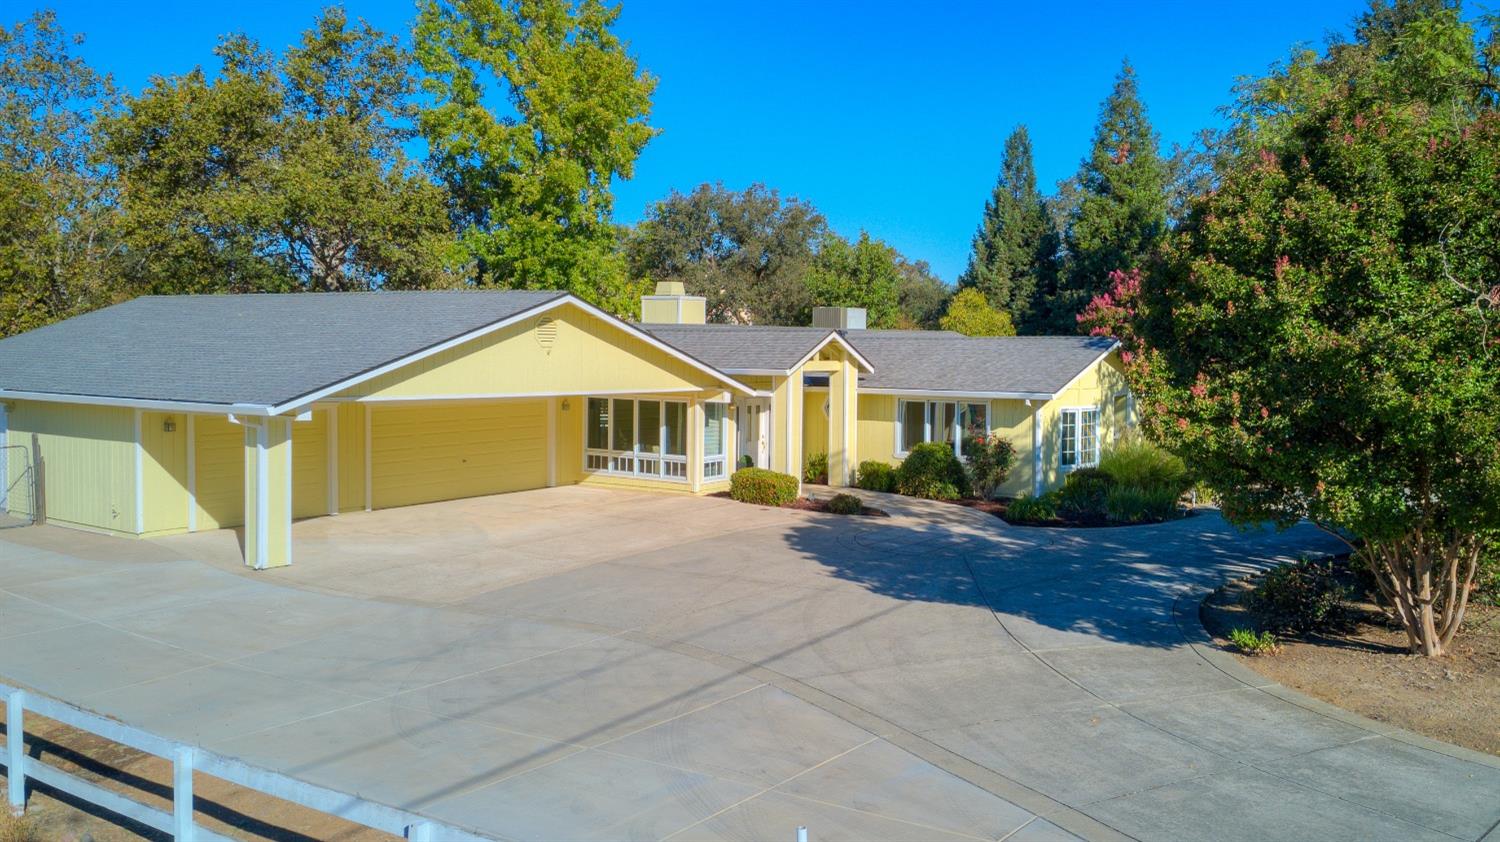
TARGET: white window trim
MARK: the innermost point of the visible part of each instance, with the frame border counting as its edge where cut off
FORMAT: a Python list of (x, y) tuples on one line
[(1078, 436), (929, 415), (636, 455)]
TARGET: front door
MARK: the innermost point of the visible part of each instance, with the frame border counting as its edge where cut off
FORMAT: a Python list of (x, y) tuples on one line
[(752, 418)]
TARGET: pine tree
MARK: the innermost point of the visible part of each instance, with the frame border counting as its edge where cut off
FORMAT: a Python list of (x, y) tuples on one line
[(1121, 212), (1010, 252)]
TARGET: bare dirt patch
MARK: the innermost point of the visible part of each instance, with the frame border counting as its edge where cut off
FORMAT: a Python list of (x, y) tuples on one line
[(1368, 670)]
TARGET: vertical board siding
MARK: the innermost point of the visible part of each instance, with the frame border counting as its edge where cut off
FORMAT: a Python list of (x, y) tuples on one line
[(570, 439), (444, 452), (310, 466), (815, 424), (90, 461), (876, 428), (164, 471), (351, 456), (587, 355), (1011, 419), (219, 451)]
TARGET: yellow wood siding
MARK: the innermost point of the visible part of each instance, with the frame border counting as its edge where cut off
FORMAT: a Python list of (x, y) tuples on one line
[(877, 428), (219, 458), (90, 461), (1011, 419), (570, 439), (585, 355), (310, 466), (351, 446), (164, 472), (444, 452), (815, 424)]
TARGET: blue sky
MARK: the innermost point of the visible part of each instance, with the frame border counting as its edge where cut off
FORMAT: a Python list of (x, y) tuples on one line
[(887, 117)]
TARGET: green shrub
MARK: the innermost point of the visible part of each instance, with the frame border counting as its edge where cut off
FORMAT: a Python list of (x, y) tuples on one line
[(746, 461), (1302, 597), (845, 504), (1032, 509), (874, 475), (933, 472), (763, 487), (989, 463), (1082, 495), (1487, 578), (1137, 504), (1136, 461), (816, 469), (1253, 642)]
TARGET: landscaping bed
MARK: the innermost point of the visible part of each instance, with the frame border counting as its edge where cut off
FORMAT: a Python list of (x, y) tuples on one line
[(1000, 508), (1364, 666), (815, 504)]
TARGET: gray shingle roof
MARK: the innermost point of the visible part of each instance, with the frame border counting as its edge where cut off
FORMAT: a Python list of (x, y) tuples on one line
[(1040, 365), (259, 349), (741, 348)]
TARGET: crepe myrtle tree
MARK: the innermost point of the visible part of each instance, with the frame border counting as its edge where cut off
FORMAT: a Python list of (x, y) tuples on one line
[(1321, 338)]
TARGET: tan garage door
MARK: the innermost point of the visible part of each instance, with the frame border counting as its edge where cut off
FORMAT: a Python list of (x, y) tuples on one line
[(444, 452)]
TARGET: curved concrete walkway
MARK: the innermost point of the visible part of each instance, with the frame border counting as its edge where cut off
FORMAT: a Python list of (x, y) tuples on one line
[(582, 664)]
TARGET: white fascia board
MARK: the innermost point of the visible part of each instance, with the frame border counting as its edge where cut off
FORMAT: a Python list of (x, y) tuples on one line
[(835, 336), (503, 396), (136, 403), (1090, 367), (757, 372), (545, 307), (956, 395)]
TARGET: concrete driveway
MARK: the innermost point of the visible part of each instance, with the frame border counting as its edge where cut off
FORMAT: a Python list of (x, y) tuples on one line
[(587, 664)]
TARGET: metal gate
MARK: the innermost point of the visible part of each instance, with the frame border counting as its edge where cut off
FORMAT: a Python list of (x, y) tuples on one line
[(18, 486)]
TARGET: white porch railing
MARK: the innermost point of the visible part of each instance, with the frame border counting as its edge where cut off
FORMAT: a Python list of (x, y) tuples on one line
[(185, 759), (635, 464)]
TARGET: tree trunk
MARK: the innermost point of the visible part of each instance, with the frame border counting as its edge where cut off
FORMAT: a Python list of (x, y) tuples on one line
[(1427, 577)]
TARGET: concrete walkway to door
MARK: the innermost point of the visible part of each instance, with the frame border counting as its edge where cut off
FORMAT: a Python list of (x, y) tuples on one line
[(586, 664)]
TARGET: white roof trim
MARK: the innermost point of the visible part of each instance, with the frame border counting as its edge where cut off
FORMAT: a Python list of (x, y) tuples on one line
[(546, 306), (835, 336), (1086, 369), (137, 403), (757, 372)]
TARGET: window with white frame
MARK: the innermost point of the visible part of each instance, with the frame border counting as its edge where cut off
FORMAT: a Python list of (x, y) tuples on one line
[(949, 422), (636, 437), (1078, 437), (715, 445)]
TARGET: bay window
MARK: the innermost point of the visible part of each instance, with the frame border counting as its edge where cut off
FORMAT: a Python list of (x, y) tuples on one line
[(948, 422), (1078, 437)]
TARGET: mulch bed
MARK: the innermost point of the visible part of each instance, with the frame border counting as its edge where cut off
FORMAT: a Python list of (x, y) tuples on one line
[(1367, 668), (813, 504), (998, 509)]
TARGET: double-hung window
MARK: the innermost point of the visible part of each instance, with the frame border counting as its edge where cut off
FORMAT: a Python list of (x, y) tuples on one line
[(948, 422), (715, 448), (1078, 437), (636, 437)]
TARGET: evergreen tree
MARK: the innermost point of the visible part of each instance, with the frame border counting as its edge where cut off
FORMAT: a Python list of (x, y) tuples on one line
[(1010, 252), (1121, 213)]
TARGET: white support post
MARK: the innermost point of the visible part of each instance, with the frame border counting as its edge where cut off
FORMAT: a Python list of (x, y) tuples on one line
[(421, 832), (182, 795), (140, 478), (801, 834), (262, 496), (15, 755), (1036, 449)]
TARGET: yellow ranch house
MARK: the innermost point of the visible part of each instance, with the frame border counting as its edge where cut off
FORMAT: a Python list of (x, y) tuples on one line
[(171, 414)]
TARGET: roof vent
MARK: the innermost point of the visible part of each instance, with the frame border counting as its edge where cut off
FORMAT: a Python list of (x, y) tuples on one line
[(839, 318), (546, 333)]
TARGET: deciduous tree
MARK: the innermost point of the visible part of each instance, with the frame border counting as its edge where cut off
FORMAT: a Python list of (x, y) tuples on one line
[(970, 314), (1323, 337), (531, 179)]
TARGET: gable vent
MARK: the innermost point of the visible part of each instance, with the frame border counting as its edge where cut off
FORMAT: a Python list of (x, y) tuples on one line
[(546, 333)]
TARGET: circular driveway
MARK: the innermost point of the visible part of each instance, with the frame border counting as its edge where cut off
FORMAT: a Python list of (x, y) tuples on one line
[(585, 664)]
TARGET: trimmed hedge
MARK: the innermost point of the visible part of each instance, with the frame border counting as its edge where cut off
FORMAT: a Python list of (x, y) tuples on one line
[(874, 475), (1083, 494), (933, 472), (845, 504), (763, 487)]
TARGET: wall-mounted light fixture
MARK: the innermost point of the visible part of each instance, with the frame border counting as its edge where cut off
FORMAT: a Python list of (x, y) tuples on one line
[(565, 405), (169, 426)]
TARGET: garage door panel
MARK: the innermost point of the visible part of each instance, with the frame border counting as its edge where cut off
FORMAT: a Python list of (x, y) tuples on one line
[(429, 453)]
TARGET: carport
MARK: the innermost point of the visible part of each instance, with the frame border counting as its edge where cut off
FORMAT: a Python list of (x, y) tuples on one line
[(184, 414)]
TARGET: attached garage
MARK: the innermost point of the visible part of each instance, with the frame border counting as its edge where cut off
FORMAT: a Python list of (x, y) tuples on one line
[(185, 413), (423, 454)]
